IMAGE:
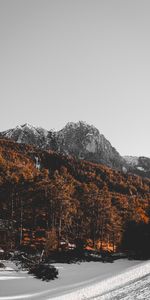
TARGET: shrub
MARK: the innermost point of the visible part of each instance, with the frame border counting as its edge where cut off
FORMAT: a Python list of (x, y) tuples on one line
[(2, 265), (44, 271)]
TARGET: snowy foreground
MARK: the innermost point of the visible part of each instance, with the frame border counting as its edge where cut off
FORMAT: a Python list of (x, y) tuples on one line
[(122, 279)]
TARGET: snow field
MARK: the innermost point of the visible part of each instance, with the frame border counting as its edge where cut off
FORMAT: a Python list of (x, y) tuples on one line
[(87, 280), (96, 291)]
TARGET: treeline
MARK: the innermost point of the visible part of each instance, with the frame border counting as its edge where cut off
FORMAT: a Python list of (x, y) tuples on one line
[(64, 200)]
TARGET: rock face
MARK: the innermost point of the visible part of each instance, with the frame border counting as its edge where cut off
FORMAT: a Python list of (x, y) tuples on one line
[(85, 142), (82, 141)]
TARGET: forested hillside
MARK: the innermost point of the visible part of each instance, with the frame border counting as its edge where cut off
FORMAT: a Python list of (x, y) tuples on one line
[(47, 198)]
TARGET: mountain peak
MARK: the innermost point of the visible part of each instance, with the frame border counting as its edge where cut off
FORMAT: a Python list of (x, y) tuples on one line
[(27, 125), (76, 124), (81, 140), (27, 134), (84, 141), (80, 123)]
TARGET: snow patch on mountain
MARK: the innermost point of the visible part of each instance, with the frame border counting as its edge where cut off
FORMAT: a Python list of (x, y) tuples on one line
[(141, 169)]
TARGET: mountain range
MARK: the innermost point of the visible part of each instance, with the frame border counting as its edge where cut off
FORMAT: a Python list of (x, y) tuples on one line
[(82, 141)]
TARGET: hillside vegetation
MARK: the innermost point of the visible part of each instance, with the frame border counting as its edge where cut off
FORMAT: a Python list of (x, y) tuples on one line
[(47, 198)]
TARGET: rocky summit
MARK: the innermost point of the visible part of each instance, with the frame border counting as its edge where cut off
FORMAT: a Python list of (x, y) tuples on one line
[(82, 141)]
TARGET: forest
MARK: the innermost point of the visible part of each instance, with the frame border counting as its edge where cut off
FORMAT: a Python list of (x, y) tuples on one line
[(52, 201)]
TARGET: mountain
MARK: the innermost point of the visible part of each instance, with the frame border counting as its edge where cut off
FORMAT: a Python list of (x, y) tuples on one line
[(73, 199), (29, 134), (82, 141), (85, 142), (78, 139)]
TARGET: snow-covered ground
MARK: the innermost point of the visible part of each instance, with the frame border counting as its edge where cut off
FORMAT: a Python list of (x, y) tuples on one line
[(122, 279)]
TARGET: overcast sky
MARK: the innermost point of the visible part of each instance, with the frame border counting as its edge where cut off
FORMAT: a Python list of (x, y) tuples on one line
[(70, 60)]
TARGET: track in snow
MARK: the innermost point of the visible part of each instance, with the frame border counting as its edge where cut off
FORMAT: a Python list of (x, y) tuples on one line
[(137, 290)]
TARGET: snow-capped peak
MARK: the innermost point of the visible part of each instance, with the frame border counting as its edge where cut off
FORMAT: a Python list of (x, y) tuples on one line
[(27, 125), (37, 130)]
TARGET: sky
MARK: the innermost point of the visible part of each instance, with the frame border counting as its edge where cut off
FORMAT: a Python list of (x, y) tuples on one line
[(69, 60)]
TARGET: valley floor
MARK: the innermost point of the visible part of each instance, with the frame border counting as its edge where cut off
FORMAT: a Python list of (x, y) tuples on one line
[(122, 279)]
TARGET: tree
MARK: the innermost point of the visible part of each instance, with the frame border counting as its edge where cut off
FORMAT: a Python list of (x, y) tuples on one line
[(51, 241)]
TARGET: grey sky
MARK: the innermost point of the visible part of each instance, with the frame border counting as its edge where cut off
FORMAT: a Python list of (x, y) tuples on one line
[(70, 60)]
